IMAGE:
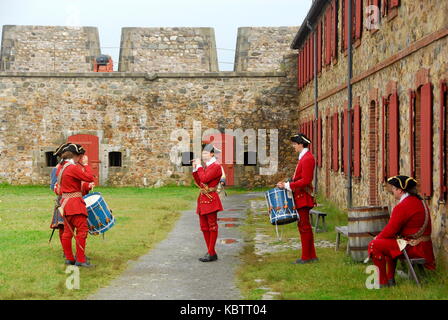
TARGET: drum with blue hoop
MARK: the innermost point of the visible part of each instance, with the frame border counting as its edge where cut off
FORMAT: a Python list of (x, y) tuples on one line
[(281, 207), (100, 218)]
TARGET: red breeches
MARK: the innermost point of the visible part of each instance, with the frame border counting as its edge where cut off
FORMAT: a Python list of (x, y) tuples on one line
[(78, 224), (209, 227), (306, 234)]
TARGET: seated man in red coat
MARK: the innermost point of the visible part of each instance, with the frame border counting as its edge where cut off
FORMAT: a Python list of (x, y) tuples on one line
[(410, 220), (208, 203), (302, 188), (74, 177)]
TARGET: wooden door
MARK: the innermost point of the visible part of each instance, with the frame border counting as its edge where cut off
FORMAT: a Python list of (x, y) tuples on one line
[(225, 143), (91, 145)]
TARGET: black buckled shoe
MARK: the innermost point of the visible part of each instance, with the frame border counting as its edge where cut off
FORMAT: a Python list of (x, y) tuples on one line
[(208, 258), (70, 262), (84, 264), (391, 282)]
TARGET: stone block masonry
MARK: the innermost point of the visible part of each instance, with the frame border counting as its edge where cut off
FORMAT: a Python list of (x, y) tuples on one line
[(168, 50), (48, 48), (263, 48)]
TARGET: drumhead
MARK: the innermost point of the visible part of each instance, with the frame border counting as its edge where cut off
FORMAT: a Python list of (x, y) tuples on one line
[(92, 199)]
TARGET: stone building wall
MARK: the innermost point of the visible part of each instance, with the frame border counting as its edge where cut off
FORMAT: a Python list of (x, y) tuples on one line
[(262, 48), (135, 114), (414, 40), (168, 50), (48, 48)]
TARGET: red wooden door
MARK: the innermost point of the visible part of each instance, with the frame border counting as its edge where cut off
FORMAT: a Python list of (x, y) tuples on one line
[(225, 143), (90, 144)]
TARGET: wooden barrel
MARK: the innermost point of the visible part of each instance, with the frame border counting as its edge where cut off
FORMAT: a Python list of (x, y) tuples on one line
[(363, 224)]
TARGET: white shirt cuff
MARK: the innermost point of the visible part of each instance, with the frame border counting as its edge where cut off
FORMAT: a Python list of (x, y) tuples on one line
[(287, 187), (197, 167)]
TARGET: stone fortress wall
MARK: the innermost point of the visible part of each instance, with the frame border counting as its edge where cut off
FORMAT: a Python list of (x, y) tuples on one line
[(168, 78)]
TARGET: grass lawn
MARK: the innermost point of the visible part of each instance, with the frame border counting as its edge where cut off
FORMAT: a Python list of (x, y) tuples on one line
[(30, 268), (335, 276)]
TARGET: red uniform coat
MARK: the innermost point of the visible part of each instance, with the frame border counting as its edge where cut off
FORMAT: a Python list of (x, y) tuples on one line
[(210, 176), (75, 178), (301, 184), (406, 219)]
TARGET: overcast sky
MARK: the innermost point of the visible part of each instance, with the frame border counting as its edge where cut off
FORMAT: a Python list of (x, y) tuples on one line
[(109, 16)]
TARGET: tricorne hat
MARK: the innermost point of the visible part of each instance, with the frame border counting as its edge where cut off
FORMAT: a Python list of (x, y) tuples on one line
[(300, 138), (402, 182)]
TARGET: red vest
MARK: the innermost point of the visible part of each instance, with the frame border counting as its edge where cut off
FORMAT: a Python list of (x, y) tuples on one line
[(210, 176), (302, 181)]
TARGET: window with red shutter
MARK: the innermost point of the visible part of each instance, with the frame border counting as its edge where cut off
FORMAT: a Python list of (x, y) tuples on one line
[(358, 19), (385, 140), (298, 70), (334, 29), (443, 149), (312, 56), (334, 143), (319, 47), (394, 135), (412, 135), (426, 140), (344, 24), (319, 142), (346, 119), (328, 34), (357, 141)]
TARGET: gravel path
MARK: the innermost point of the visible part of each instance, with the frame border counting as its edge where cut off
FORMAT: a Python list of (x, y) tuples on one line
[(172, 269)]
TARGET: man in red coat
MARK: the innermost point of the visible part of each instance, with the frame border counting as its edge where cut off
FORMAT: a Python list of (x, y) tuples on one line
[(208, 203), (410, 220), (74, 177), (302, 188)]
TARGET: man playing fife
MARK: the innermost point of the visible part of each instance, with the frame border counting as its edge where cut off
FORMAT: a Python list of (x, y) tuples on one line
[(208, 203)]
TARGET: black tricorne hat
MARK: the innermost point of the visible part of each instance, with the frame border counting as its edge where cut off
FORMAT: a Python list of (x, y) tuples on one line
[(402, 182), (72, 147), (300, 138), (210, 148), (59, 149)]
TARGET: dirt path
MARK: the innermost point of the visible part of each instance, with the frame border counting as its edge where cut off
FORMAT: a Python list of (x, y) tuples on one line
[(172, 269)]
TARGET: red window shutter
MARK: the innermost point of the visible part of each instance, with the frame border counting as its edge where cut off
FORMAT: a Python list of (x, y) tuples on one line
[(394, 134), (319, 142), (334, 28), (442, 145), (302, 68), (308, 60), (411, 130), (298, 70), (344, 23), (358, 19), (426, 140), (328, 36), (312, 56), (335, 149), (345, 144), (319, 47), (357, 141), (305, 61), (384, 148)]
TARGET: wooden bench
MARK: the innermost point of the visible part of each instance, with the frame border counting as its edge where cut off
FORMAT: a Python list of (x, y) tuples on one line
[(344, 231), (319, 215)]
